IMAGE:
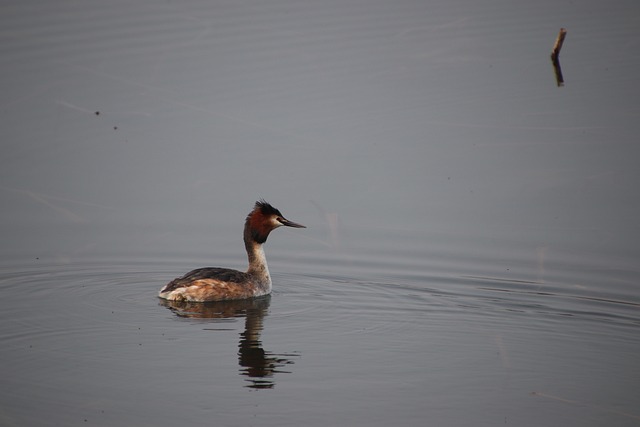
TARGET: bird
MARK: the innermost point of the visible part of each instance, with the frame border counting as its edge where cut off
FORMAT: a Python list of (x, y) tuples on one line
[(219, 284)]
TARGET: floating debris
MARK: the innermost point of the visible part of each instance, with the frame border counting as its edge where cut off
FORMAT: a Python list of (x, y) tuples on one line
[(555, 53)]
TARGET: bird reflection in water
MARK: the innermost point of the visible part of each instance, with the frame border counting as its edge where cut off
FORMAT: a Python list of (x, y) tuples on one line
[(258, 365)]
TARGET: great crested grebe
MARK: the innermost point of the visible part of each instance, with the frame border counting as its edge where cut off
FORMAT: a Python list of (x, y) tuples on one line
[(217, 284)]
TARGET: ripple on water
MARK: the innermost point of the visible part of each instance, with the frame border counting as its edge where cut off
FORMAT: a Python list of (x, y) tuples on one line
[(71, 325), (405, 301), (90, 320)]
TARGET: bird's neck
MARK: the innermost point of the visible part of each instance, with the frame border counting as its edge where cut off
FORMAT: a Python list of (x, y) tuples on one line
[(257, 260)]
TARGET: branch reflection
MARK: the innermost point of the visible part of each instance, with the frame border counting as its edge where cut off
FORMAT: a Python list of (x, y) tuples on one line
[(257, 364), (557, 70)]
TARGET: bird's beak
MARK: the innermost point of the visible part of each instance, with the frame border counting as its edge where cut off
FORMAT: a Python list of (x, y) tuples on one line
[(288, 223)]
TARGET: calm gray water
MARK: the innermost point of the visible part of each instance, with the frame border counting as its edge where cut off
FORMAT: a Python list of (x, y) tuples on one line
[(471, 255)]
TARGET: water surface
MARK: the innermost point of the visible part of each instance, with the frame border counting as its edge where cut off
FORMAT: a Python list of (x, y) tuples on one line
[(471, 251)]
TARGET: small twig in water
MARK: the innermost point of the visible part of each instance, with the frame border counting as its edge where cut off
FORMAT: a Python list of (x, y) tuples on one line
[(558, 45), (555, 56)]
